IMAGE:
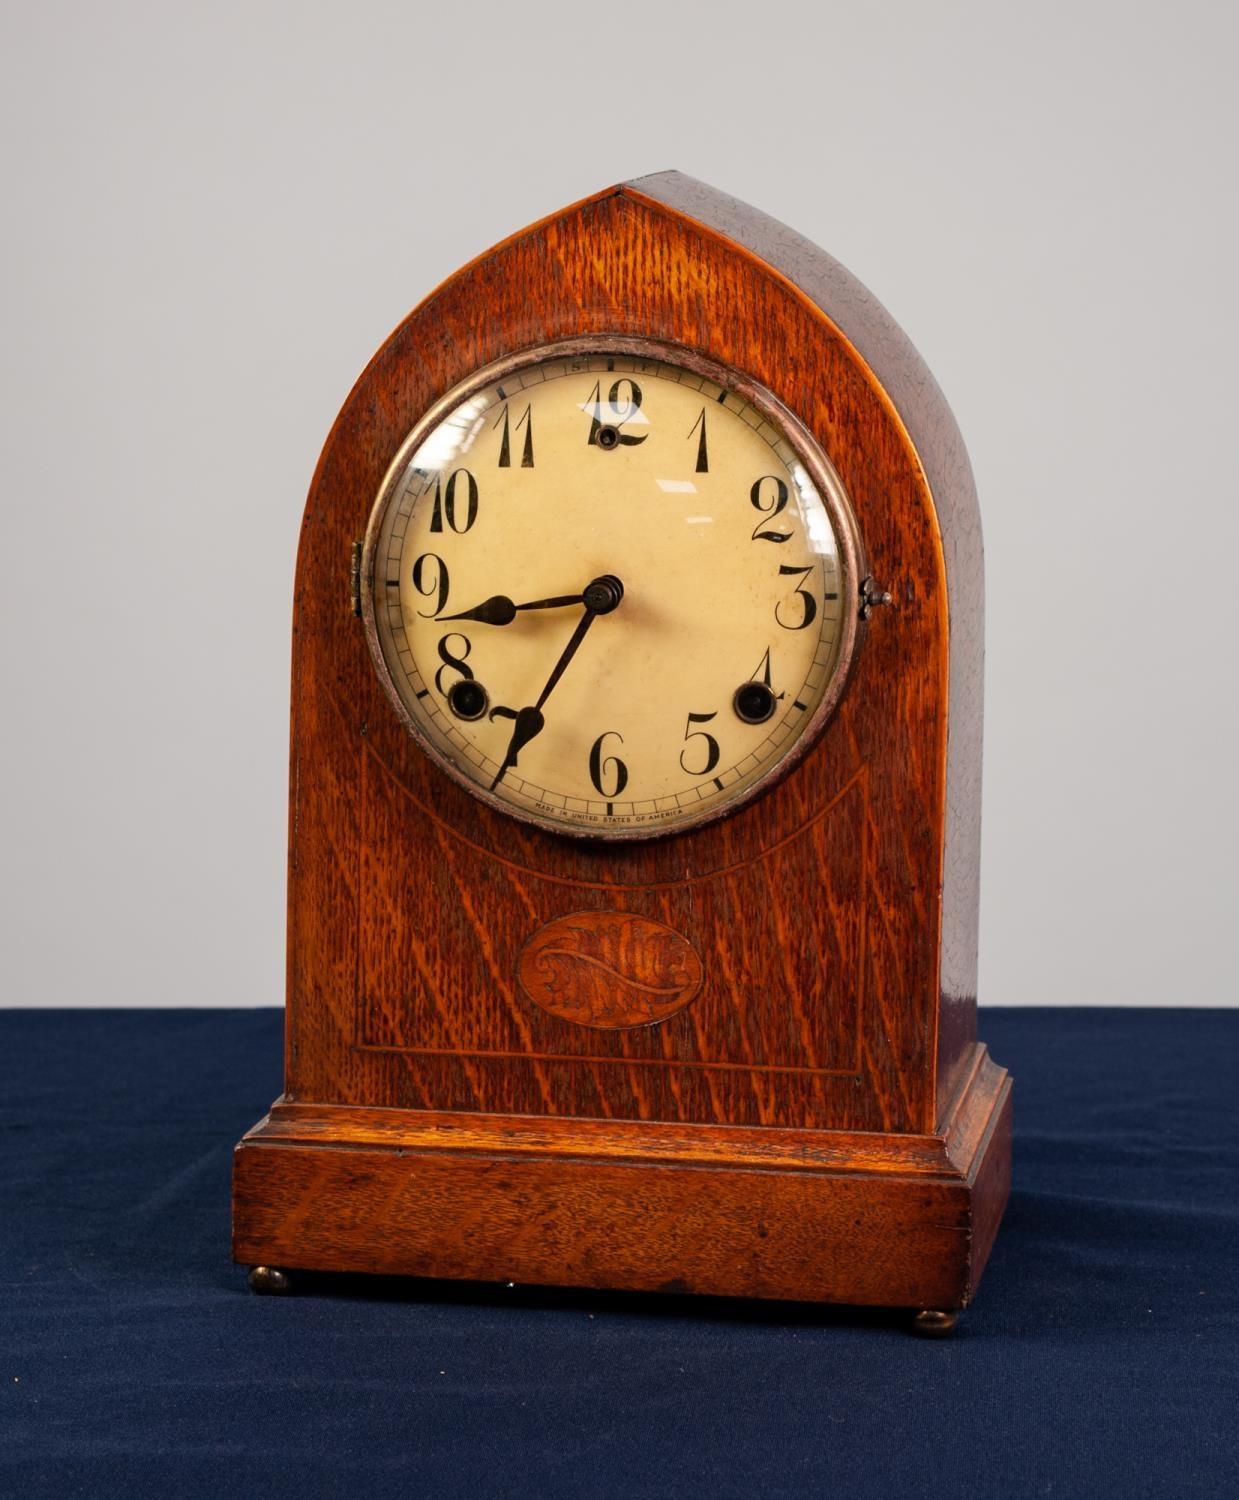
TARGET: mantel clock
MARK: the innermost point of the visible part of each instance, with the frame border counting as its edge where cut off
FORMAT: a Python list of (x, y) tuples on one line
[(635, 789)]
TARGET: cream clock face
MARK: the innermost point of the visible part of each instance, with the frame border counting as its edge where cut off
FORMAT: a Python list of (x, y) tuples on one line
[(608, 592)]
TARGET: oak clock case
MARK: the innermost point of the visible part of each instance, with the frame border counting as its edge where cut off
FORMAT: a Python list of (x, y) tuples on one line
[(634, 827)]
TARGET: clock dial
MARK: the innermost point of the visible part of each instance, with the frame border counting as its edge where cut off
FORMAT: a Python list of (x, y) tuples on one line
[(610, 593)]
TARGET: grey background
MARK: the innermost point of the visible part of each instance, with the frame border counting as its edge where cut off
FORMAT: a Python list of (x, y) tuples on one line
[(214, 214)]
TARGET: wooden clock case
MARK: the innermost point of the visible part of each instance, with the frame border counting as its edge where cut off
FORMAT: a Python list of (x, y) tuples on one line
[(817, 1121)]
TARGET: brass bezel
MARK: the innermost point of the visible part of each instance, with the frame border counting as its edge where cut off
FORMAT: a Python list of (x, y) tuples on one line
[(853, 569)]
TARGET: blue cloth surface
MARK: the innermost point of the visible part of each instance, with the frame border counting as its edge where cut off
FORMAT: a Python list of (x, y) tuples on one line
[(1101, 1357)]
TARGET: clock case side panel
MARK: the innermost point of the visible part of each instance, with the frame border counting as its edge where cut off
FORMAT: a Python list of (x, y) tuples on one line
[(923, 411), (616, 263)]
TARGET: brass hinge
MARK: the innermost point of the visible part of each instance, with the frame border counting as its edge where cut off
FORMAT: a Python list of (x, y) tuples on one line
[(872, 594), (354, 583)]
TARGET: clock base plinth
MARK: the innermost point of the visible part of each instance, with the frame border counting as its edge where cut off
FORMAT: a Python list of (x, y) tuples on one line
[(820, 1216)]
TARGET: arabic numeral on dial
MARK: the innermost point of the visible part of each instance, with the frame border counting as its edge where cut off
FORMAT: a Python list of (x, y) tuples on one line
[(505, 441), (703, 454), (456, 502), (430, 579), (808, 602), (610, 766), (762, 675), (622, 405), (711, 745), (453, 658), (769, 495)]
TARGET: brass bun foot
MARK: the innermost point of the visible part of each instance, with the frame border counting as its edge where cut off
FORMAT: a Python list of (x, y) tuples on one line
[(269, 1281), (934, 1325)]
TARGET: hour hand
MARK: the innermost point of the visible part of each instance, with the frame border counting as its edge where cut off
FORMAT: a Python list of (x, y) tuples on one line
[(499, 609)]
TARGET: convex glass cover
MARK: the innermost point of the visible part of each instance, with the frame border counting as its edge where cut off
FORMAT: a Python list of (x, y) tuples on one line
[(612, 589)]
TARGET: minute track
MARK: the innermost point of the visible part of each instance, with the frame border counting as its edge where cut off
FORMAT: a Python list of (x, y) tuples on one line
[(704, 606)]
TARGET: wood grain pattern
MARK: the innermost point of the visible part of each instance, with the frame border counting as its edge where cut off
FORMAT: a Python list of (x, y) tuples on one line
[(709, 1061), (577, 1203), (391, 909), (922, 410), (834, 918)]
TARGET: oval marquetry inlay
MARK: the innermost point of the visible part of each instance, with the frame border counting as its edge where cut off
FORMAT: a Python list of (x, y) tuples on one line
[(609, 968)]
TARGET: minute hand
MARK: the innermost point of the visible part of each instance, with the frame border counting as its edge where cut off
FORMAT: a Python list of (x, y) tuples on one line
[(569, 651), (529, 721), (600, 597)]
